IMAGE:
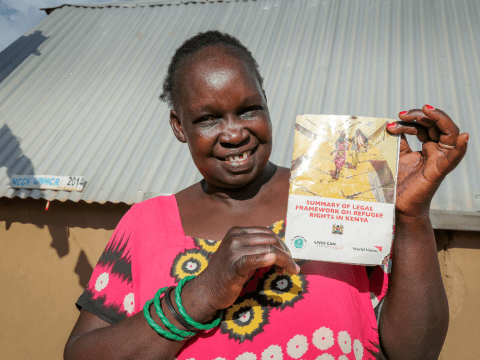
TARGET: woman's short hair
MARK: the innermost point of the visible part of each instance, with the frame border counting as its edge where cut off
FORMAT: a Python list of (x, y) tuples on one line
[(192, 46)]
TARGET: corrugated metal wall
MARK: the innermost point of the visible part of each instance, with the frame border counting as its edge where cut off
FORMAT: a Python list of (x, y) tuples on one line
[(80, 90)]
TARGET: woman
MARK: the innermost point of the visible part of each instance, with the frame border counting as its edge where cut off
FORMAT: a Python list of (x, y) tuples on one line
[(359, 141), (341, 148), (273, 308)]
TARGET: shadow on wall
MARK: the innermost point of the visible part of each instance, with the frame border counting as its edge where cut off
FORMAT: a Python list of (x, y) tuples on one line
[(59, 219), (83, 269), (12, 157), (18, 51), (11, 154)]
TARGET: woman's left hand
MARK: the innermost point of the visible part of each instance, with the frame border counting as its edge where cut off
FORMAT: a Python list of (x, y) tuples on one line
[(421, 172)]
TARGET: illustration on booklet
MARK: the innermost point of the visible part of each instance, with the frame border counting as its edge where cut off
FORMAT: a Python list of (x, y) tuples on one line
[(344, 157)]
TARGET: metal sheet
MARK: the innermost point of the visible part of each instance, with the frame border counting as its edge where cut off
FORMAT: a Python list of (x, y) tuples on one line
[(79, 91)]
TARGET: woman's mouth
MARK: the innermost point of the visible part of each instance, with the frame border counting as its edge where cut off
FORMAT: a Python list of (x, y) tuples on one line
[(239, 157)]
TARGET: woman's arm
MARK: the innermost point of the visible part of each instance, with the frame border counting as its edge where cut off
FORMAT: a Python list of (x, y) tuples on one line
[(414, 318), (241, 252), (133, 338)]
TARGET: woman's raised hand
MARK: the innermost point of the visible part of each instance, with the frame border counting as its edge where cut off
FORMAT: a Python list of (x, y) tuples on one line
[(420, 173), (241, 252)]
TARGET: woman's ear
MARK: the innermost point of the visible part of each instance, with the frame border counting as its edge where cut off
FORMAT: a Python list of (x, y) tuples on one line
[(177, 126)]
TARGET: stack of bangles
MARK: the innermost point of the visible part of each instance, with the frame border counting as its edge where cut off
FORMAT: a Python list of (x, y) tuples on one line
[(186, 321)]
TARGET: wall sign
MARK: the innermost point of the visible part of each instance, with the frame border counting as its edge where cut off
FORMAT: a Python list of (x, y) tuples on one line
[(48, 182)]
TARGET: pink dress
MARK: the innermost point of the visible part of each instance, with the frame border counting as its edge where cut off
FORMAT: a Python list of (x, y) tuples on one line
[(341, 154), (325, 312)]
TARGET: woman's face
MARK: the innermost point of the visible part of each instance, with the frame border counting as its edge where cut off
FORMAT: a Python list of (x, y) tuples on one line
[(221, 113)]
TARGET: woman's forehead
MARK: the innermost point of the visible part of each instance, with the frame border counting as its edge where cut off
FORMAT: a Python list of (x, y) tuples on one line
[(213, 73)]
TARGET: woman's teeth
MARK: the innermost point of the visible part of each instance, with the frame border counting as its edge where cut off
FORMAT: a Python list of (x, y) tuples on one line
[(239, 157)]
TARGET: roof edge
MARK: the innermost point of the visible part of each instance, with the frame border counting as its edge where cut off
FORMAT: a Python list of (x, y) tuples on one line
[(133, 4), (441, 219), (455, 220)]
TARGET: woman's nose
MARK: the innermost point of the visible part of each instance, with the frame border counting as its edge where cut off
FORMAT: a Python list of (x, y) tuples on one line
[(234, 133)]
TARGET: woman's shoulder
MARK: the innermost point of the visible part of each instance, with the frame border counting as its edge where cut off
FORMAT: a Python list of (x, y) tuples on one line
[(154, 209), (165, 202)]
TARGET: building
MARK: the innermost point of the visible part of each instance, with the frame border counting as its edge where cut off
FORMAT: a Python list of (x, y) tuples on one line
[(79, 96)]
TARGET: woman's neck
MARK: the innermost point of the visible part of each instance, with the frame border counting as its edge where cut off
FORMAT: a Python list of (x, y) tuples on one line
[(246, 192)]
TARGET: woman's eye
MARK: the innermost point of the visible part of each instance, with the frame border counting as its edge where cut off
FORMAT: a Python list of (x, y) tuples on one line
[(250, 111), (205, 119)]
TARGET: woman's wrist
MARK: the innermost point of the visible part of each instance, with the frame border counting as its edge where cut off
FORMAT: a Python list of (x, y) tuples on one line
[(194, 302), (413, 229), (420, 216)]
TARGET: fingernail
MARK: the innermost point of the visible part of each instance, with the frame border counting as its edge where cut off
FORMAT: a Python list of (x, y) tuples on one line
[(468, 136), (429, 107), (269, 256), (402, 113), (391, 125), (297, 267)]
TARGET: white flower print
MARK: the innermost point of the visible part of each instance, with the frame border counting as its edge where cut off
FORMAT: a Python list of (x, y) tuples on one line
[(129, 303), (297, 346), (343, 357), (357, 349), (102, 281), (282, 284), (247, 356), (325, 357), (191, 266), (345, 342), (323, 338), (273, 352), (245, 317)]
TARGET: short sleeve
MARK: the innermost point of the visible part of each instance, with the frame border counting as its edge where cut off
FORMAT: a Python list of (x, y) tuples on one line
[(109, 293), (379, 278)]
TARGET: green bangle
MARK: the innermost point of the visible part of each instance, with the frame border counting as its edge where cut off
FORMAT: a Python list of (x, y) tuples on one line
[(165, 321), (188, 319), (154, 326)]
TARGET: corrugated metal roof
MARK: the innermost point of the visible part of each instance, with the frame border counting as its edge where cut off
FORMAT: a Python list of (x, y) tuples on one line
[(80, 90)]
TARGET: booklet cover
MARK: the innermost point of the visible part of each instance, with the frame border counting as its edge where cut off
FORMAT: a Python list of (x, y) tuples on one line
[(341, 204)]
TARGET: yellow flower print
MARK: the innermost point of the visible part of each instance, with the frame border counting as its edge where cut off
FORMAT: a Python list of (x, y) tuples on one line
[(244, 320), (190, 262), (283, 290), (208, 245)]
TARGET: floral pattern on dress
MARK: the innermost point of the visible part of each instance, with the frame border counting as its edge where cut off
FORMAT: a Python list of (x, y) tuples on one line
[(188, 263), (266, 291)]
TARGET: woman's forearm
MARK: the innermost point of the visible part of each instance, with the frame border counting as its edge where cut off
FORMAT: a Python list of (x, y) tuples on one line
[(133, 338), (414, 319)]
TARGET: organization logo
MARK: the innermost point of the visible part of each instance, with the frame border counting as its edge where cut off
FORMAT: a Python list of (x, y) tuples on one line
[(337, 229), (299, 243)]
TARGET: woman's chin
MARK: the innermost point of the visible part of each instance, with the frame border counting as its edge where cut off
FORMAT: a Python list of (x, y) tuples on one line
[(241, 179)]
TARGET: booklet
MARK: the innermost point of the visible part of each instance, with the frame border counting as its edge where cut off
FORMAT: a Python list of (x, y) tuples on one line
[(341, 204)]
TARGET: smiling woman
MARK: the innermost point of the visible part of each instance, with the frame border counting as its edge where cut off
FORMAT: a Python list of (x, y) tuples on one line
[(216, 250), (222, 115)]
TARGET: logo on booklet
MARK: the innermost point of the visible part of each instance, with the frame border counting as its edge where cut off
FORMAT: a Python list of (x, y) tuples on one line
[(299, 243), (337, 229)]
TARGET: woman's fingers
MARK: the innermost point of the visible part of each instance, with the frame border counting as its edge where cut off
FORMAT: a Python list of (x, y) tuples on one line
[(440, 127), (455, 155), (246, 263), (410, 128), (249, 230), (416, 115), (449, 130), (254, 246)]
